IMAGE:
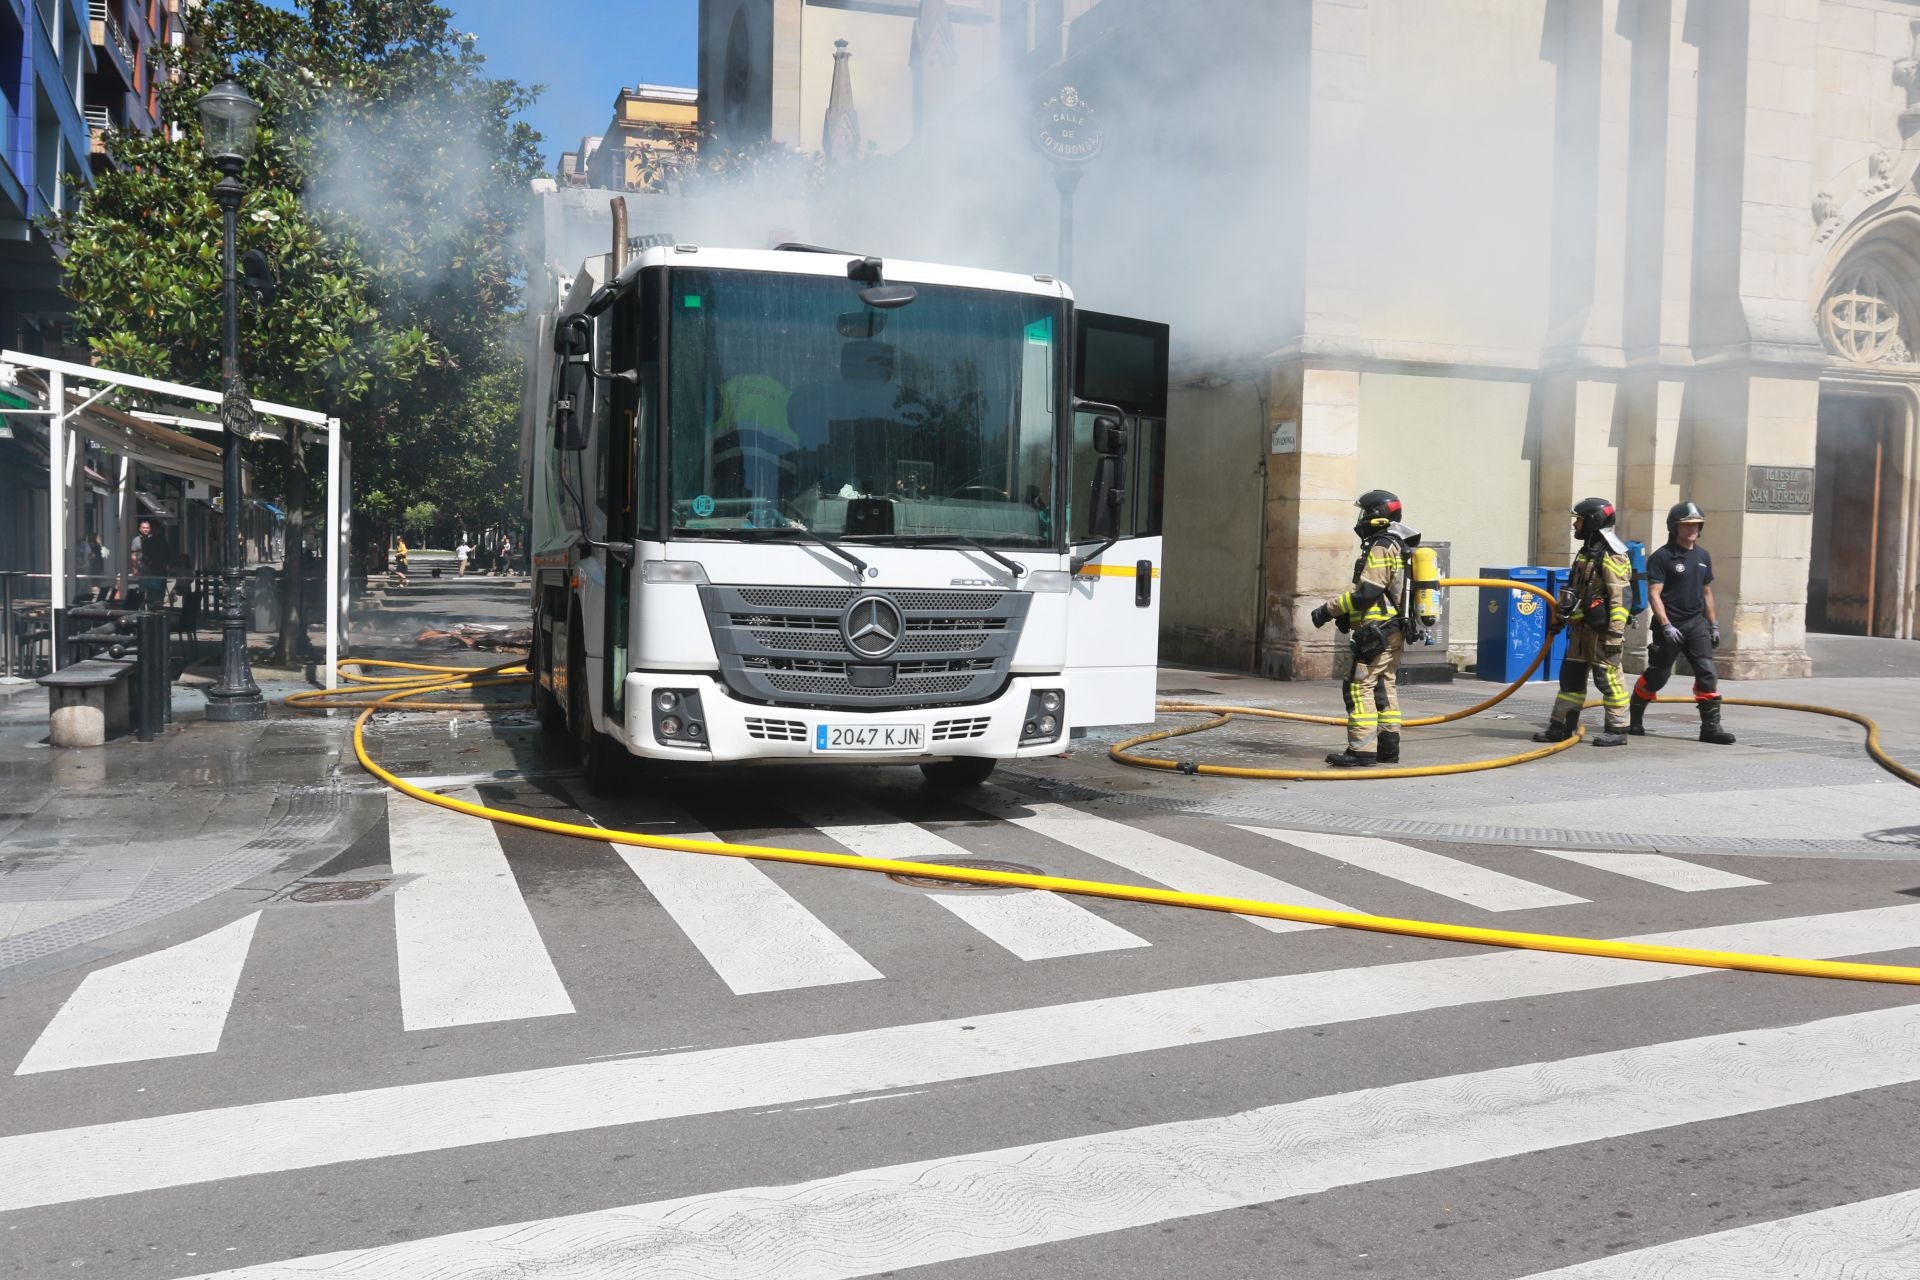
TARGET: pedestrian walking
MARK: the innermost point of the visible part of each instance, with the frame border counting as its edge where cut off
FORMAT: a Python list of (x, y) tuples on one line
[(461, 552), (1594, 609), (503, 559), (1373, 616), (1680, 592), (400, 559)]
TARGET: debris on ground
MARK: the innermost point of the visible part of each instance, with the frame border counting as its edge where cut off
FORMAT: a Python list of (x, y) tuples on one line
[(475, 635)]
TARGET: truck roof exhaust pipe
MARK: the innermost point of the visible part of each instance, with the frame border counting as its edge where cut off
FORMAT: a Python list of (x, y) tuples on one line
[(619, 206)]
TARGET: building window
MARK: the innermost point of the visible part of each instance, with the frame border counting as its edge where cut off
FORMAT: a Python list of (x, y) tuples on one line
[(1861, 318)]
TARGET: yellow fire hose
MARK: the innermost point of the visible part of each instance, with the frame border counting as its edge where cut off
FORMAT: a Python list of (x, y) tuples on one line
[(394, 692)]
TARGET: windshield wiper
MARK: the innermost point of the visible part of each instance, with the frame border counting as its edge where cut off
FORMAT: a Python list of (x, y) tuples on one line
[(794, 533), (953, 542)]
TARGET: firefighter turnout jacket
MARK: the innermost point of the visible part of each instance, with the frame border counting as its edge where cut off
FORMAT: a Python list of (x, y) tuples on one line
[(1379, 582), (1598, 599)]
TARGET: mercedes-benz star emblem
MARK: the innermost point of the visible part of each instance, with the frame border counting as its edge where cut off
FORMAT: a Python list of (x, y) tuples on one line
[(872, 626)]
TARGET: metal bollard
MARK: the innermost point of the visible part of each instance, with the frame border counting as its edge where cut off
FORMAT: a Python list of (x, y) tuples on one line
[(151, 693), (8, 652), (60, 656)]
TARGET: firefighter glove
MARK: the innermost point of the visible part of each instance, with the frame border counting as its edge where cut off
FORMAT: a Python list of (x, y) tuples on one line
[(1713, 634), (1672, 634), (1322, 616)]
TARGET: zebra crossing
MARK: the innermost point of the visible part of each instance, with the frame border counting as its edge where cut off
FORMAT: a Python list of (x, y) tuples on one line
[(1154, 1103), (469, 952)]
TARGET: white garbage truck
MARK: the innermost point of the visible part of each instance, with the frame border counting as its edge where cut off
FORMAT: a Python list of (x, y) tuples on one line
[(803, 505)]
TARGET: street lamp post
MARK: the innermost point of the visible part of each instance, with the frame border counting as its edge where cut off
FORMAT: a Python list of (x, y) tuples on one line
[(229, 120)]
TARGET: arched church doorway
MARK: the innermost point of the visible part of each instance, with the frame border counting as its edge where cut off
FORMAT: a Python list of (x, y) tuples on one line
[(1855, 581)]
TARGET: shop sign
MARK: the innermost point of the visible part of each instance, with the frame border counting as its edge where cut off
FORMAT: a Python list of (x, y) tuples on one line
[(1785, 491)]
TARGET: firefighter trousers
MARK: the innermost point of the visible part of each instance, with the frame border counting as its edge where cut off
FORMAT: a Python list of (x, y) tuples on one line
[(1372, 695), (1587, 654), (1696, 641)]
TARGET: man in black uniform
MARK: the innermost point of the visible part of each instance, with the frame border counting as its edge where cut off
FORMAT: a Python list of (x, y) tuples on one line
[(1680, 590)]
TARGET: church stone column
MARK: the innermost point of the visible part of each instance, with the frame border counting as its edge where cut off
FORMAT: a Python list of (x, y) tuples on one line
[(1754, 394), (1310, 516)]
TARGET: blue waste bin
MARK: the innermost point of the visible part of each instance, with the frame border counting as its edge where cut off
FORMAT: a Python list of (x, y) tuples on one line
[(1512, 624)]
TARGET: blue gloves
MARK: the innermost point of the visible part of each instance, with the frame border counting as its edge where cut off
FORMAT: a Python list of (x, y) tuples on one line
[(1713, 633), (1672, 634)]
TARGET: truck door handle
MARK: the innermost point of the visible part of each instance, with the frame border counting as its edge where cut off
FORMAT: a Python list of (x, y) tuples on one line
[(1142, 583)]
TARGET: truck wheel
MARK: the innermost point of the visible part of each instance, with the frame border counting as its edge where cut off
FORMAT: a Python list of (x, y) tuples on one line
[(960, 774), (601, 759)]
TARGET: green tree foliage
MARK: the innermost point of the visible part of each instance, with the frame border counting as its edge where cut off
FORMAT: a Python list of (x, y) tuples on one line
[(388, 189), (419, 519)]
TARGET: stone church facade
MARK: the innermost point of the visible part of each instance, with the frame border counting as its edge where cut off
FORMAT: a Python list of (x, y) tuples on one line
[(1497, 255)]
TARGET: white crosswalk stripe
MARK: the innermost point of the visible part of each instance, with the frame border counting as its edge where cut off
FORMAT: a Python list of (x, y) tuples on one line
[(1435, 872), (163, 1005), (753, 932), (1032, 925), (469, 951), (121, 1157), (1655, 868), (1153, 856), (1869, 1240), (991, 1202)]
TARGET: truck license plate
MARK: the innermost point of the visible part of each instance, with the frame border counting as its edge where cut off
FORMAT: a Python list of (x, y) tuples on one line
[(870, 737)]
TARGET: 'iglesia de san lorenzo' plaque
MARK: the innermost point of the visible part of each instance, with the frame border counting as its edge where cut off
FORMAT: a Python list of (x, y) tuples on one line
[(1785, 491)]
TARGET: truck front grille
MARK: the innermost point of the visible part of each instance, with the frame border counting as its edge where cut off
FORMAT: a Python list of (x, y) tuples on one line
[(785, 645)]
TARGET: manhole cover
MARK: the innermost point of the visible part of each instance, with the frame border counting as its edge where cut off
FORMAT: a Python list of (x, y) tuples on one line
[(339, 891), (1897, 835), (972, 864)]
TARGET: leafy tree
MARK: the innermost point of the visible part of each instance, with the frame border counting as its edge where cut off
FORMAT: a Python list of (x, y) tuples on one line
[(418, 519)]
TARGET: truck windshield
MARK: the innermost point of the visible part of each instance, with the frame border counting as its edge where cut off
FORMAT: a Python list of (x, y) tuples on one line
[(795, 406)]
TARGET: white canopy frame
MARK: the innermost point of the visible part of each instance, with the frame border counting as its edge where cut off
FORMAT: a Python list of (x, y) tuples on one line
[(62, 466)]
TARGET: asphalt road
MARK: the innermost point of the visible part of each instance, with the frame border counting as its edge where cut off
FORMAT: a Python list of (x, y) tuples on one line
[(500, 1053)]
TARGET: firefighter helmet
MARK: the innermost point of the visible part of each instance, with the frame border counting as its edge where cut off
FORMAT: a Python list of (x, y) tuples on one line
[(1683, 513), (1378, 509), (1590, 516)]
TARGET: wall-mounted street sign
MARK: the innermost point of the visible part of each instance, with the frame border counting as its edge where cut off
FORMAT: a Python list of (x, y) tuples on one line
[(1786, 491), (1064, 129)]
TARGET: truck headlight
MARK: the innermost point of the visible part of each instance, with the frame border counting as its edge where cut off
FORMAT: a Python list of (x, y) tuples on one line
[(686, 572), (1046, 710)]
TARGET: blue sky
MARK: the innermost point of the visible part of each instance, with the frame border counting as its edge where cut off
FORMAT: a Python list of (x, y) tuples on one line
[(584, 51)]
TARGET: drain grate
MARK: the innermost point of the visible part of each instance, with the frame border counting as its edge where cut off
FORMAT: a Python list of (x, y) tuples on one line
[(972, 864), (339, 891)]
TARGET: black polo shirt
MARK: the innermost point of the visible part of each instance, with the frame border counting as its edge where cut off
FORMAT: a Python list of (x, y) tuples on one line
[(1682, 577)]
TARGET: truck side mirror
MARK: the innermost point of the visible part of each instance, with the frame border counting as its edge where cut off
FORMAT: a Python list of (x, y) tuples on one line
[(1109, 437), (571, 336)]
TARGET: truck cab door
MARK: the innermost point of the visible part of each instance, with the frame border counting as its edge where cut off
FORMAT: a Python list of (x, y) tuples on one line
[(1113, 612)]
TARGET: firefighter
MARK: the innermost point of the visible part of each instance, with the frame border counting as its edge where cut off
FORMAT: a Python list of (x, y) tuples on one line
[(1594, 607), (1373, 615), (1680, 584)]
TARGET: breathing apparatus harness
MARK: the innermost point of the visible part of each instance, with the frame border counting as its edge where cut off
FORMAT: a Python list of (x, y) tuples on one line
[(1415, 605)]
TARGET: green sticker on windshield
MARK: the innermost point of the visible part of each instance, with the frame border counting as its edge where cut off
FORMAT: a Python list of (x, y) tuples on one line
[(691, 302), (1040, 332)]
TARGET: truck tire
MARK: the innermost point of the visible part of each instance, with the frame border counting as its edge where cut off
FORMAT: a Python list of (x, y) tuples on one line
[(963, 773), (602, 761)]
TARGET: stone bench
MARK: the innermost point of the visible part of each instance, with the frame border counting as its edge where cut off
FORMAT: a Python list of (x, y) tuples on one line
[(88, 702)]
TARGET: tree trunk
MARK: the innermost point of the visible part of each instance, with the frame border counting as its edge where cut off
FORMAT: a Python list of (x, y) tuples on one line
[(291, 647)]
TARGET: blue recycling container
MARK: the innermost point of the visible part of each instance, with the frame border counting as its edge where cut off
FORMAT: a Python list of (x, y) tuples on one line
[(1512, 624)]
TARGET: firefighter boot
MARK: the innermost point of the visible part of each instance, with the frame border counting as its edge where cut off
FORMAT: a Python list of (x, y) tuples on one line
[(1710, 729), (1613, 733), (1389, 747), (1559, 727), (1351, 759), (1637, 716)]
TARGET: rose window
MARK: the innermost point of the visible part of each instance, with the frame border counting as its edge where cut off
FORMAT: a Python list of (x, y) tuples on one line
[(1861, 320)]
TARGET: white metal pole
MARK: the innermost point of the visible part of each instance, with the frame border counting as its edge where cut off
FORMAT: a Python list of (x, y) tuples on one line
[(336, 545), (56, 500)]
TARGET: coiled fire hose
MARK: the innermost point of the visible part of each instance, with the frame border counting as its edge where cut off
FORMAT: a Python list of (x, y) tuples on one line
[(1223, 715), (420, 693)]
